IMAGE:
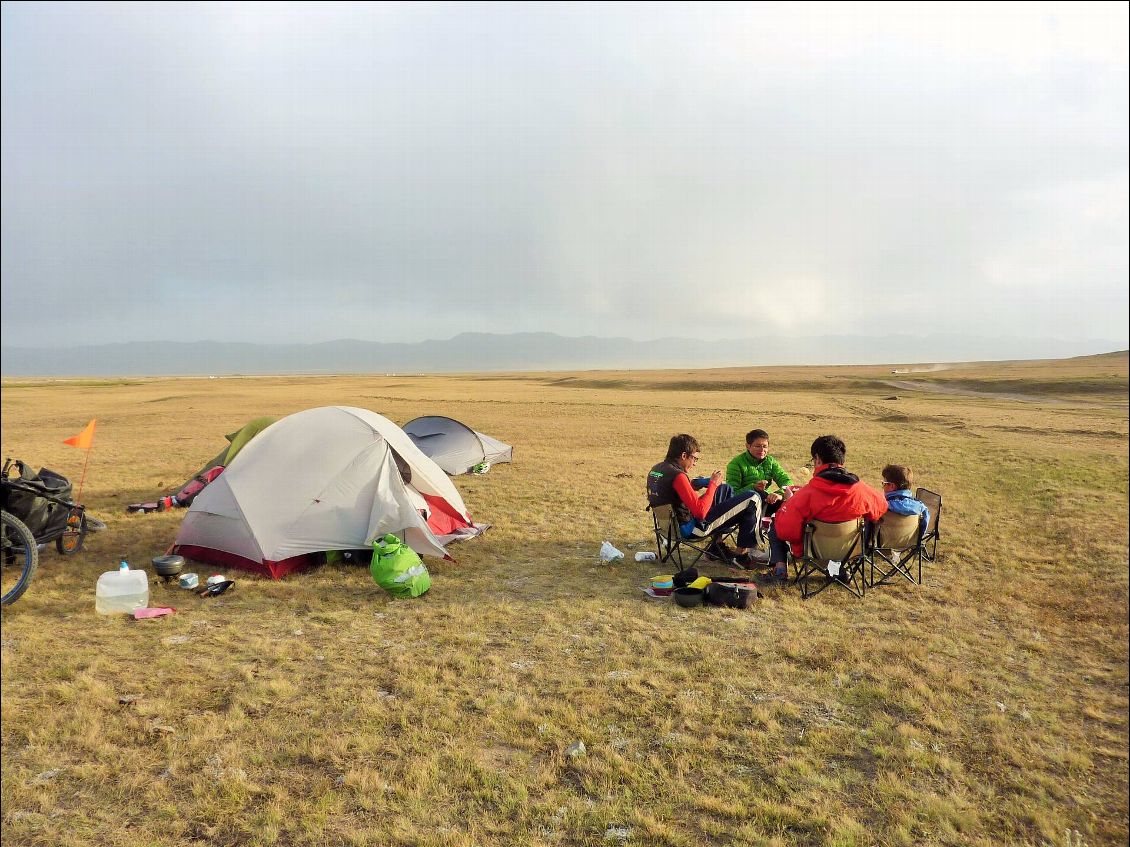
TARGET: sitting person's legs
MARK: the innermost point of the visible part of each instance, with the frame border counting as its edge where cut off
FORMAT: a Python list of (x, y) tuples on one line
[(735, 510), (778, 555)]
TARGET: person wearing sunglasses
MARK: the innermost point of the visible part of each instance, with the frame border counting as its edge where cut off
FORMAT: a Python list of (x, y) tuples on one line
[(669, 484), (897, 480)]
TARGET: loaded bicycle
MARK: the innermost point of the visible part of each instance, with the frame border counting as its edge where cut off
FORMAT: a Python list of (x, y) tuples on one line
[(35, 509)]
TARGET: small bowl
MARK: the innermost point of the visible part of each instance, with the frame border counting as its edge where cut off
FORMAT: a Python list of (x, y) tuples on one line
[(664, 581), (688, 598)]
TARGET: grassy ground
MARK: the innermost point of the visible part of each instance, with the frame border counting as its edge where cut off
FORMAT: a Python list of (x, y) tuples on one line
[(986, 707)]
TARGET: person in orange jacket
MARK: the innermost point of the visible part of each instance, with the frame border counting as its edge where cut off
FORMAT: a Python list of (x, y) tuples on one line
[(834, 494)]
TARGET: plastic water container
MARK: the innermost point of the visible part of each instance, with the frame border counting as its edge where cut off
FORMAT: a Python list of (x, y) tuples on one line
[(121, 591)]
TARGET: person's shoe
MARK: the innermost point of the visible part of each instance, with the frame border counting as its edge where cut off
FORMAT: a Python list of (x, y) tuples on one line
[(760, 557), (744, 561), (718, 551), (777, 575)]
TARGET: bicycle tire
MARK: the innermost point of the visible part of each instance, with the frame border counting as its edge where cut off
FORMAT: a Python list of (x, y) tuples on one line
[(73, 534), (19, 551)]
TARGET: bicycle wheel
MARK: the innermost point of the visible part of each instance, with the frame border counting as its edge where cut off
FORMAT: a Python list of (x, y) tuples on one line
[(20, 557), (71, 539)]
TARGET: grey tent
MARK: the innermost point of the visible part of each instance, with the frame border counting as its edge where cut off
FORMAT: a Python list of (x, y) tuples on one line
[(454, 446)]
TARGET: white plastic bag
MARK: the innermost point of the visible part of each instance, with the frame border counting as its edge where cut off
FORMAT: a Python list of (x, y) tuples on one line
[(608, 553)]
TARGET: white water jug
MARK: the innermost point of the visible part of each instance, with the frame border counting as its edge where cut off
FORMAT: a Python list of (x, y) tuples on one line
[(121, 591)]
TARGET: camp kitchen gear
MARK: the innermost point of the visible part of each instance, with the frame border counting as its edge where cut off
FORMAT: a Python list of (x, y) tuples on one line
[(168, 567), (688, 597), (216, 588), (189, 580), (747, 594)]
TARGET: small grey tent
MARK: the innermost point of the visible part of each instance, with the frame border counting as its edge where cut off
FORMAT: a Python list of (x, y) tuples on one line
[(454, 446)]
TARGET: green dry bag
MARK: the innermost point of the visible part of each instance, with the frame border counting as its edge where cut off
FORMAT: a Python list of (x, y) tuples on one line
[(397, 568)]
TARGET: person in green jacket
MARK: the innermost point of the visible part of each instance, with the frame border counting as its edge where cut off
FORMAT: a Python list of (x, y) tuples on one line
[(754, 469)]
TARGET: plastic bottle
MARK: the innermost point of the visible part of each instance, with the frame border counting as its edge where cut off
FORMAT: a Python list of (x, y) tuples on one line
[(121, 591)]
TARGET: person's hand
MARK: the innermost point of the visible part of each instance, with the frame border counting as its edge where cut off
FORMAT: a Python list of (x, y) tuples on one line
[(761, 485), (772, 498), (718, 477)]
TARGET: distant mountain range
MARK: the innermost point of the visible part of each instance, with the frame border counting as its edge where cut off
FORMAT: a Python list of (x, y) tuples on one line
[(538, 351)]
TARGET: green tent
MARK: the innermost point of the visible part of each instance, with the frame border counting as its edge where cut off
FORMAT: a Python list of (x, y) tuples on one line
[(236, 441)]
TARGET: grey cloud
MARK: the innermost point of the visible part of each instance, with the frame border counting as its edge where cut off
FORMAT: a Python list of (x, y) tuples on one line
[(395, 173)]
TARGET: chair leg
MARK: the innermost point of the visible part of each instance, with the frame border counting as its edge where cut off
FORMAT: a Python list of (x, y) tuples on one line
[(897, 563)]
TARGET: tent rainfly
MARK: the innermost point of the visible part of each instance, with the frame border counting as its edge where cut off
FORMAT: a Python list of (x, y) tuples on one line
[(331, 478), (454, 446)]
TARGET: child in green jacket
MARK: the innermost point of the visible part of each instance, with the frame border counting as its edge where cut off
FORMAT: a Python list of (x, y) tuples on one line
[(755, 469)]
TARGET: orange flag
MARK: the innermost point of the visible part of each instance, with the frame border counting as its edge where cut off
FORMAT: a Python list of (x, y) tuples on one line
[(85, 439)]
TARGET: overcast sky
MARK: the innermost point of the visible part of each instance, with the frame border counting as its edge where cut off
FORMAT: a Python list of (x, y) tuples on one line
[(288, 172)]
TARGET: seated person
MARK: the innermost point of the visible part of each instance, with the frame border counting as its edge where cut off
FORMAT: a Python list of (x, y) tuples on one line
[(897, 480), (668, 484), (755, 469), (832, 495)]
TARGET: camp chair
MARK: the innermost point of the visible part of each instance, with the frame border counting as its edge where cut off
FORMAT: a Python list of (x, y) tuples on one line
[(845, 543), (930, 537), (669, 540), (896, 546)]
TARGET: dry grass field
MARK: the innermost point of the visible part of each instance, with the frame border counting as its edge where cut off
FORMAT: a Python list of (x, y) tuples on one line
[(986, 707)]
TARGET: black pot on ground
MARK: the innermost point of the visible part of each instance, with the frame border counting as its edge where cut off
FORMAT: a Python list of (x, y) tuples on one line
[(168, 566), (688, 597)]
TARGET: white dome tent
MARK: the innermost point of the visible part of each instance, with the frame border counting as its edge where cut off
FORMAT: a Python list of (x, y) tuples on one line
[(331, 478), (454, 446)]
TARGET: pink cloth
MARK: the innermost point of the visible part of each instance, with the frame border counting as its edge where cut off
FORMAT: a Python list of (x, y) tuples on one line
[(138, 614)]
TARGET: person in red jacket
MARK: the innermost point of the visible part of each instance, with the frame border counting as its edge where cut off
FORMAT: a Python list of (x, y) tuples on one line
[(833, 495), (669, 484)]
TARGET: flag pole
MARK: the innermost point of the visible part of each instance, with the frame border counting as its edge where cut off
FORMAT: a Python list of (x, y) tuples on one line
[(78, 498)]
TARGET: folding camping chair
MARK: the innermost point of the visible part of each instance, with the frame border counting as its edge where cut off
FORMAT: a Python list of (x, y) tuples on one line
[(669, 540), (896, 546), (828, 545), (933, 532)]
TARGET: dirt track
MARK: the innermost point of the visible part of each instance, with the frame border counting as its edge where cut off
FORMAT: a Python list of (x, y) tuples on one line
[(941, 388)]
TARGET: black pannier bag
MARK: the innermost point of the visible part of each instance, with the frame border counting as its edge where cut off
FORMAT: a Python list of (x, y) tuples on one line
[(42, 516)]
